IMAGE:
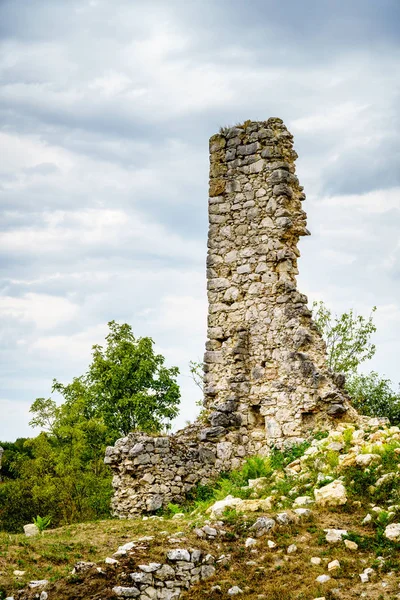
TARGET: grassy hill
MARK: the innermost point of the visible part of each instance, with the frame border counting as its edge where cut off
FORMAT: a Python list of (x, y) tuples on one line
[(280, 563)]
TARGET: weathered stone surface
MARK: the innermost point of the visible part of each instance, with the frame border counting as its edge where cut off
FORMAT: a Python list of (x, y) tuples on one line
[(126, 592), (364, 460), (333, 536), (333, 494), (392, 532), (217, 510), (31, 530), (178, 554)]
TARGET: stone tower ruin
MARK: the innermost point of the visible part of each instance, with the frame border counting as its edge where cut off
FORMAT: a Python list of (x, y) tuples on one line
[(265, 373), (265, 360)]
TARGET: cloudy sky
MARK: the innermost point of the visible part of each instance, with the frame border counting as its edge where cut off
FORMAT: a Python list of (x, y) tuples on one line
[(106, 107)]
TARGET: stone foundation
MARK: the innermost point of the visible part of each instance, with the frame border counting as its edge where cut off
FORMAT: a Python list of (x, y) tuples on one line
[(265, 374)]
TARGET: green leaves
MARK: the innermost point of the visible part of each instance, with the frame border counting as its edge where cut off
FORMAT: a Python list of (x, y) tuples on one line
[(61, 471), (348, 344), (128, 384), (347, 337), (373, 395), (42, 522)]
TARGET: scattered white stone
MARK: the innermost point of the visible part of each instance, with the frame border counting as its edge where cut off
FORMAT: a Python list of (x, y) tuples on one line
[(31, 530), (43, 596), (303, 513), (123, 550), (126, 592), (263, 525), (271, 544), (284, 518), (178, 516), (179, 554), (210, 531), (19, 573), (322, 578), (366, 574), (367, 519), (207, 571), (333, 536), (335, 446), (38, 583), (209, 559), (218, 508), (291, 549), (364, 460), (315, 560), (235, 590), (111, 561), (250, 542), (303, 501), (350, 545), (320, 598), (392, 532), (333, 494), (199, 532), (333, 565), (81, 566)]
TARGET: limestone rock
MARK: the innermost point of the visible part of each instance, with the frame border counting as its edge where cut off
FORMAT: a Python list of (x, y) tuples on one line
[(216, 511), (333, 494), (263, 525), (333, 536), (31, 530), (207, 571), (235, 590), (38, 583), (322, 578), (178, 554), (254, 505), (334, 565), (126, 592), (303, 501), (350, 545), (392, 532), (364, 460)]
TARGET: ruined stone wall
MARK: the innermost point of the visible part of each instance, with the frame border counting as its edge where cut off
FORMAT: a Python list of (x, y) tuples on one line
[(266, 379), (265, 360)]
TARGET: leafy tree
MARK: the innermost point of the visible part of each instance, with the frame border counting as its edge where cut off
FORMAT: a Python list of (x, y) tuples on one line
[(127, 385), (373, 395), (347, 337), (61, 472)]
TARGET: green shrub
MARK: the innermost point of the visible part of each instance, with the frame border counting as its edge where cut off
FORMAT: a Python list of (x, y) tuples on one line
[(42, 523), (256, 467), (373, 396)]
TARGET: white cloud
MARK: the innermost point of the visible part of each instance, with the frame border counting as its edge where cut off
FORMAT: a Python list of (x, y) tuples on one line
[(45, 311), (377, 201)]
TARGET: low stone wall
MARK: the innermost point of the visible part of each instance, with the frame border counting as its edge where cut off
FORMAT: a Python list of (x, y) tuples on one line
[(265, 374)]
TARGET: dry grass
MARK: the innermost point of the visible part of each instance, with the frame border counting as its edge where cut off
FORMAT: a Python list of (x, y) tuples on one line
[(276, 575)]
